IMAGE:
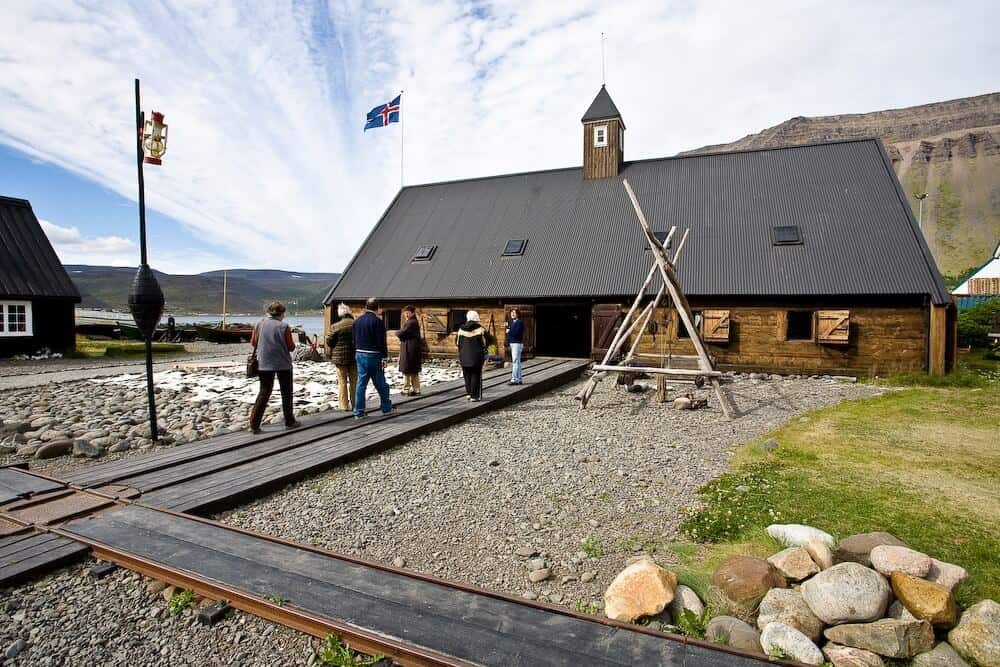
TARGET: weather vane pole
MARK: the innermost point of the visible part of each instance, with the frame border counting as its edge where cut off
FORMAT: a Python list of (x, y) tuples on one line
[(603, 77)]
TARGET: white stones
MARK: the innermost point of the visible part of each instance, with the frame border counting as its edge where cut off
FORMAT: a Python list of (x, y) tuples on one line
[(536, 576), (795, 563), (792, 643), (847, 593), (399, 562), (685, 599), (942, 655), (977, 635), (848, 656), (785, 605), (946, 574), (888, 559), (796, 535), (820, 552), (641, 589)]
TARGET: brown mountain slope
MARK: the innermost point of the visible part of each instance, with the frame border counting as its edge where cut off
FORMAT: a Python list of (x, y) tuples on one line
[(950, 150)]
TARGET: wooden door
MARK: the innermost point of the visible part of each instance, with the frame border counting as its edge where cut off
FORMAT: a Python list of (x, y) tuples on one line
[(526, 312), (606, 318)]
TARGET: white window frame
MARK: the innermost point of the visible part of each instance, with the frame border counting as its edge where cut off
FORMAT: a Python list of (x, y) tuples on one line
[(600, 131), (28, 324)]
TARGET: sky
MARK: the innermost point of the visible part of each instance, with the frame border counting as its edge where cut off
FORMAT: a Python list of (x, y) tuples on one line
[(267, 165)]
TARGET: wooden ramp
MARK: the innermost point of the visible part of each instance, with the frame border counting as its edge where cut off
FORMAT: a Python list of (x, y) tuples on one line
[(413, 618)]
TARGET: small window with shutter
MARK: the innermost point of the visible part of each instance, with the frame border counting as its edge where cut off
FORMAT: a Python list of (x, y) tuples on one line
[(799, 325), (682, 331), (715, 326), (600, 136), (833, 327)]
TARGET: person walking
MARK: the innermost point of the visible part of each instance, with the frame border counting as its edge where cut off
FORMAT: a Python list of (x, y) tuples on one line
[(370, 354), (471, 342), (515, 338), (272, 338), (410, 354), (340, 349)]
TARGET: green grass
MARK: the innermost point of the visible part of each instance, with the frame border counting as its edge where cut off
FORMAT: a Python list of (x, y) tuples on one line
[(180, 601), (922, 463), (88, 348)]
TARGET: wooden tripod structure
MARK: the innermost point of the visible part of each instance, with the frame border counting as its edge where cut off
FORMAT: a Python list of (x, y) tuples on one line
[(636, 321)]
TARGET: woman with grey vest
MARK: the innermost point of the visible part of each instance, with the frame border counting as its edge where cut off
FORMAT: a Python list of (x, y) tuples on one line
[(272, 338)]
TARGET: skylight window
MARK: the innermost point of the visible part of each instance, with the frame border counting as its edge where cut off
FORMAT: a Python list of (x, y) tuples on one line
[(424, 253), (786, 235), (514, 247)]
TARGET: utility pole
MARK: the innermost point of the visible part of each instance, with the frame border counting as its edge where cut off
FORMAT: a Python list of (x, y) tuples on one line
[(920, 216)]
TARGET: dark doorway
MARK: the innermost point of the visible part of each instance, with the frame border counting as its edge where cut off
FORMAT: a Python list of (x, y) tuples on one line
[(562, 329)]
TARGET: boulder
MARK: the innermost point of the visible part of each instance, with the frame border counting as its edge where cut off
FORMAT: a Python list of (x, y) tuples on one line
[(744, 578), (792, 643), (795, 563), (926, 600), (795, 535), (641, 589), (942, 655), (857, 548), (848, 656), (86, 448), (977, 635), (685, 598), (847, 593), (888, 637), (120, 446), (888, 559), (897, 610), (946, 574), (682, 403), (820, 553), (731, 631), (53, 449), (784, 605)]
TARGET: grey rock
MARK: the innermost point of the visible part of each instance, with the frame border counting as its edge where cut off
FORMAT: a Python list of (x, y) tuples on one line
[(792, 643), (685, 599), (399, 561), (977, 635), (731, 631), (53, 449), (858, 548), (121, 446), (848, 656), (587, 577), (15, 649), (946, 574), (942, 655), (847, 593), (888, 637), (898, 611), (887, 558), (785, 605), (86, 448), (536, 564), (536, 576)]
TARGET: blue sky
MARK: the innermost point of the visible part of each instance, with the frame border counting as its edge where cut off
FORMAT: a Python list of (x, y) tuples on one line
[(267, 165)]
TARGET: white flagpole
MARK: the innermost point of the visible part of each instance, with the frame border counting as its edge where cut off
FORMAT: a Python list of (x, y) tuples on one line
[(401, 140)]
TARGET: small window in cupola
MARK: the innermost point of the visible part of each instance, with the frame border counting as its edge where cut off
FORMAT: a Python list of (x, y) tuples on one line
[(600, 136)]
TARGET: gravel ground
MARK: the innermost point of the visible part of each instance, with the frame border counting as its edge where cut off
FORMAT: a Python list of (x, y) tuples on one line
[(506, 496), (68, 618)]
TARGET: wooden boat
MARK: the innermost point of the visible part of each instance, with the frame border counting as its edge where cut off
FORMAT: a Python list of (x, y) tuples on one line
[(233, 333)]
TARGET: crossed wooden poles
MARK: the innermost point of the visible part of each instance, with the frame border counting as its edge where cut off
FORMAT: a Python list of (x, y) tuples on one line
[(636, 321)]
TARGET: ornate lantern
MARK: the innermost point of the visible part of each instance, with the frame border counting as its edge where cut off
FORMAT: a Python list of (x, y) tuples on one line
[(154, 139)]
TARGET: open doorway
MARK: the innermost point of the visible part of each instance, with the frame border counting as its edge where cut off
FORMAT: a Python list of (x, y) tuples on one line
[(562, 329)]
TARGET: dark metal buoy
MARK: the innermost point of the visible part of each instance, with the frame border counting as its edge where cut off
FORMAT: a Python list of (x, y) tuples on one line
[(145, 301)]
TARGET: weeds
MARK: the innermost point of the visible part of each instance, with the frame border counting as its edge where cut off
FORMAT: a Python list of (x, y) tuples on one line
[(275, 599), (592, 547), (692, 624), (586, 607), (333, 651), (180, 601)]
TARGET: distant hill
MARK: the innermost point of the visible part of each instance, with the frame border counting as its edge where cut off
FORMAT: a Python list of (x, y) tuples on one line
[(950, 150), (249, 290)]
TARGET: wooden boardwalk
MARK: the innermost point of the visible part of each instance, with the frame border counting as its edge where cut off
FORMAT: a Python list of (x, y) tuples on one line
[(139, 512)]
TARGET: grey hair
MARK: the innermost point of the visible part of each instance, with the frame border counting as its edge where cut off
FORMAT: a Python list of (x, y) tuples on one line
[(343, 309), (472, 316)]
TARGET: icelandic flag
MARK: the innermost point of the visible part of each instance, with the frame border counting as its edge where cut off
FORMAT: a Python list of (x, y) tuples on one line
[(383, 114)]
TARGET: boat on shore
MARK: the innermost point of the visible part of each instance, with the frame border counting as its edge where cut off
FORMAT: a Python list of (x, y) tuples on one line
[(232, 333)]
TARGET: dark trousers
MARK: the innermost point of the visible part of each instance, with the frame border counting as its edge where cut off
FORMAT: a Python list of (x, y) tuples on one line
[(473, 381), (266, 386)]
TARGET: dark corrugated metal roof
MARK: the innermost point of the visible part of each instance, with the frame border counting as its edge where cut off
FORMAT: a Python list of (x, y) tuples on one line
[(29, 267), (602, 107), (859, 236)]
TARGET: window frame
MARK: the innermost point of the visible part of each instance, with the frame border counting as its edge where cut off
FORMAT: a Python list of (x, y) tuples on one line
[(429, 255), (519, 253), (698, 317), (776, 241), (600, 130), (453, 315), (397, 314), (29, 327), (812, 325)]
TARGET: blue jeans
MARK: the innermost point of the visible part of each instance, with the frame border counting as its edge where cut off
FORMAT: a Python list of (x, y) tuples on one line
[(370, 368), (515, 357)]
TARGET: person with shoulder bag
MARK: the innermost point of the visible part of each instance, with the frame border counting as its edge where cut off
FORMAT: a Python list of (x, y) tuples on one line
[(410, 354), (471, 342), (273, 344), (340, 349)]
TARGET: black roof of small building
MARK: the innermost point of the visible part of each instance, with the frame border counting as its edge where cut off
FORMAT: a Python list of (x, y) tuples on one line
[(29, 267), (602, 108), (859, 237)]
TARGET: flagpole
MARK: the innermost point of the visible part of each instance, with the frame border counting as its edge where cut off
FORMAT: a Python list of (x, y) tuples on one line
[(401, 140)]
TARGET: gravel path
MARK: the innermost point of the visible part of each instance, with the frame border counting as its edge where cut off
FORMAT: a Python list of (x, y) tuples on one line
[(538, 486)]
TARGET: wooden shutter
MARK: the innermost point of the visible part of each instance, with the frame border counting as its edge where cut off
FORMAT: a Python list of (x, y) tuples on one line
[(833, 326), (605, 319), (715, 326), (436, 320), (527, 315)]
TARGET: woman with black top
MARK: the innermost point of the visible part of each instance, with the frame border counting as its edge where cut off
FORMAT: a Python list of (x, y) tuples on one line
[(471, 342)]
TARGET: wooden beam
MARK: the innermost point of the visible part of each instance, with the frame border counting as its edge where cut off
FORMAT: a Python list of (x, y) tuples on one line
[(937, 340)]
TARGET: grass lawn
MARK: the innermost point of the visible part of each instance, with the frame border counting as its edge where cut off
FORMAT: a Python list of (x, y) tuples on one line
[(88, 348), (922, 462)]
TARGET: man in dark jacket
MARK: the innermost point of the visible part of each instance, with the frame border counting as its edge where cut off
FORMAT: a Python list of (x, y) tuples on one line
[(370, 354), (340, 349), (410, 354), (515, 338), (471, 342)]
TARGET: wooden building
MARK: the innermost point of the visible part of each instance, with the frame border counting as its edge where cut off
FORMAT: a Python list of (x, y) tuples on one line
[(37, 297), (803, 259)]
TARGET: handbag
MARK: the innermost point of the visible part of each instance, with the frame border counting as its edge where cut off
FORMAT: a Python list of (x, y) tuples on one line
[(253, 366)]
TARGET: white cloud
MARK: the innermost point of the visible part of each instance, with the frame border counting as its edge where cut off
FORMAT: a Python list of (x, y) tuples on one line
[(75, 248), (266, 101)]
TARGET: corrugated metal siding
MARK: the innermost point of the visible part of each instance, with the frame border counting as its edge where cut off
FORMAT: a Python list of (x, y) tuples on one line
[(29, 267), (584, 240)]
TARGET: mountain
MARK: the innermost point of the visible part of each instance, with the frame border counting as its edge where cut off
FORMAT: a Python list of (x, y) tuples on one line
[(248, 290), (950, 150)]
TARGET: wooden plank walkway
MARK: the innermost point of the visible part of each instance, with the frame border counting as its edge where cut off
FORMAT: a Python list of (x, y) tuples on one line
[(405, 615)]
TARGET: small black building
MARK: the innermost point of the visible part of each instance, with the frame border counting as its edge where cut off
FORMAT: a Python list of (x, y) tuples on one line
[(37, 297)]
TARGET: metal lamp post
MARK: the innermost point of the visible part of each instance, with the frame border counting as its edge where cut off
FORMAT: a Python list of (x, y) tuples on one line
[(146, 298), (920, 216)]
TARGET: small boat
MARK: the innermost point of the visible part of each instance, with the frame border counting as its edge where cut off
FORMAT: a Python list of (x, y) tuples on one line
[(233, 333), (130, 331)]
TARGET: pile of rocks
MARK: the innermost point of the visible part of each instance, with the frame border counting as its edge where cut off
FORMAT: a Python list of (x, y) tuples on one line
[(850, 604)]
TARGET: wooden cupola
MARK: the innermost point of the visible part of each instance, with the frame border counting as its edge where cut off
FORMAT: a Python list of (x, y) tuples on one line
[(603, 138)]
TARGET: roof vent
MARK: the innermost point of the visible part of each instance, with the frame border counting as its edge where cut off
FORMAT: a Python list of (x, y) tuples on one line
[(424, 253), (514, 248), (786, 235)]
